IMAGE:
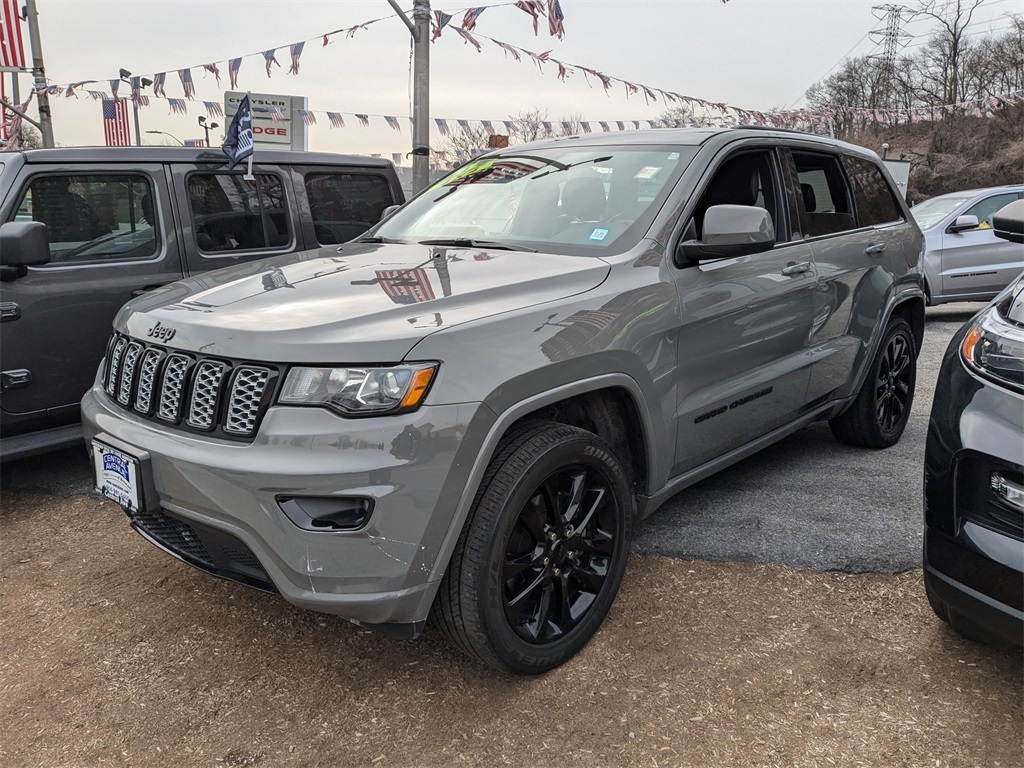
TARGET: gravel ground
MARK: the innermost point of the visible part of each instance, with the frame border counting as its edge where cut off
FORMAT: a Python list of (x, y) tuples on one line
[(118, 654)]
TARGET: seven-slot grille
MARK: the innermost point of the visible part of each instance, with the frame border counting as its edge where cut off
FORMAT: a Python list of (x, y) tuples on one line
[(202, 394)]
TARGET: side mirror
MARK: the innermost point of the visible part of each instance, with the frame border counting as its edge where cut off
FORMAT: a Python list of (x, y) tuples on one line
[(730, 231), (1008, 222), (23, 244), (963, 223), (386, 213)]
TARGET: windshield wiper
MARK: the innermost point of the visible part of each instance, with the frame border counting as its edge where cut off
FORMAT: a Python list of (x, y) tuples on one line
[(465, 242), (376, 239)]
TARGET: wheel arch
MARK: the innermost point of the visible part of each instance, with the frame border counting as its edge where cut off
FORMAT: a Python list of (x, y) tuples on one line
[(609, 404)]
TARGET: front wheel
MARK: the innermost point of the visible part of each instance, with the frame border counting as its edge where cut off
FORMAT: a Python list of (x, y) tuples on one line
[(879, 415), (542, 555)]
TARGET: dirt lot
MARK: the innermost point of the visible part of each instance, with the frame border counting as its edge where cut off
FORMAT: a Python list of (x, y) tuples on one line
[(116, 654)]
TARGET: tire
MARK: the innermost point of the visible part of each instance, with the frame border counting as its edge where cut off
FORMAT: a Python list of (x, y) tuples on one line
[(878, 416), (543, 552)]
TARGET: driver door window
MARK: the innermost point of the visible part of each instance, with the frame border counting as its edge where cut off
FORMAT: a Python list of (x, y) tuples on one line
[(93, 218), (746, 179), (988, 208)]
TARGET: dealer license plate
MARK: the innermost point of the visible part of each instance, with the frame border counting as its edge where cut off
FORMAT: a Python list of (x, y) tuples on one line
[(117, 475)]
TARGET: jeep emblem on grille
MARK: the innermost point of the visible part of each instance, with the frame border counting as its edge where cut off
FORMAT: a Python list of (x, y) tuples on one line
[(162, 332)]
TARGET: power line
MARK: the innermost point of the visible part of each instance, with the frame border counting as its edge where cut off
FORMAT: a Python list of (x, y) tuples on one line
[(891, 38)]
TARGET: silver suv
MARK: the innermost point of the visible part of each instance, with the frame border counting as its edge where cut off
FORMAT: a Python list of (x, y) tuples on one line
[(964, 260), (470, 407)]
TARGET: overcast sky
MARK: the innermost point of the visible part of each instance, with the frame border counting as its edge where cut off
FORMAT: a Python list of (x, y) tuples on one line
[(756, 54)]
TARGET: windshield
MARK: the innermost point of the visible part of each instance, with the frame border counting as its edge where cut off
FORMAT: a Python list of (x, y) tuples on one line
[(574, 200), (931, 212)]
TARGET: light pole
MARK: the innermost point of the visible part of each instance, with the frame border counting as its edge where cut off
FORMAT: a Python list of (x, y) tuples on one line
[(206, 127), (144, 82), (39, 73), (165, 133), (419, 28)]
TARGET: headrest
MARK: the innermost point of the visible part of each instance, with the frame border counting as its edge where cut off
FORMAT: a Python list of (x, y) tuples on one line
[(583, 199), (810, 202)]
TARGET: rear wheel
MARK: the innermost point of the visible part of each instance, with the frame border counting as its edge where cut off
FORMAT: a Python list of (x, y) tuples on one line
[(542, 555), (879, 415)]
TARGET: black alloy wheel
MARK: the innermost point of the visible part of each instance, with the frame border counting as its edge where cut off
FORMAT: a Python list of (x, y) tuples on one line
[(558, 554), (893, 382), (879, 413), (542, 554)]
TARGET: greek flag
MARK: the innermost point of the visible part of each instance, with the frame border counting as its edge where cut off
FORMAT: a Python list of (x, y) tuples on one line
[(238, 138)]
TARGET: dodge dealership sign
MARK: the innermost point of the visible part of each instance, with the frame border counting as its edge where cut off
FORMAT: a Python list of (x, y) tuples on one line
[(289, 133)]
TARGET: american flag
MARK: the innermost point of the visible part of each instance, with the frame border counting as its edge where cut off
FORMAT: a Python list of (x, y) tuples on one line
[(115, 123), (442, 126), (469, 38), (393, 122), (136, 88), (469, 20), (271, 59), (159, 80), (548, 127), (405, 286), (530, 8), (98, 95), (307, 117), (178, 106), (114, 85), (213, 109), (233, 66), (337, 121), (464, 125), (364, 120), (636, 124), (441, 21), (296, 51), (555, 18), (510, 127), (566, 127), (487, 127), (604, 126), (276, 114), (195, 142), (214, 70), (12, 44), (653, 123), (585, 126), (185, 75), (620, 125)]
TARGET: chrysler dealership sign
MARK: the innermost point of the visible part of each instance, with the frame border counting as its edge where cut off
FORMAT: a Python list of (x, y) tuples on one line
[(268, 133)]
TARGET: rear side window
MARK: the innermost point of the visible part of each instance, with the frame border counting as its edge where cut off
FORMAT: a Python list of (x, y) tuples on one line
[(874, 198), (232, 214), (93, 218), (344, 205), (826, 205)]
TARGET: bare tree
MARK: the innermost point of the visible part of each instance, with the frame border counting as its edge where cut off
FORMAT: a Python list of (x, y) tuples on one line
[(948, 46)]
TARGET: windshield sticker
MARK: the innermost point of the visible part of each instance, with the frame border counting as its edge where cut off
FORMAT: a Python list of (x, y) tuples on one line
[(599, 234), (647, 172), (673, 156)]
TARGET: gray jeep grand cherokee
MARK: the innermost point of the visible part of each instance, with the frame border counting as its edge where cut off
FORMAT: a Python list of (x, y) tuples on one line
[(470, 407)]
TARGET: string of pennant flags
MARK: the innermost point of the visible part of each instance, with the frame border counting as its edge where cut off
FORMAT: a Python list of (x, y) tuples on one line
[(714, 113)]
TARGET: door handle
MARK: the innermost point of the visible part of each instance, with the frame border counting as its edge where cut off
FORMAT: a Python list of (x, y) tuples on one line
[(147, 289), (796, 269), (875, 249)]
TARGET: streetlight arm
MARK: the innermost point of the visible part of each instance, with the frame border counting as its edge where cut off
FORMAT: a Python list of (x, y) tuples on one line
[(21, 114), (405, 19)]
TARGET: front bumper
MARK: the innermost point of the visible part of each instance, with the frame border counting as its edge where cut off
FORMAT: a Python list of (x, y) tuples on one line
[(409, 465), (974, 540)]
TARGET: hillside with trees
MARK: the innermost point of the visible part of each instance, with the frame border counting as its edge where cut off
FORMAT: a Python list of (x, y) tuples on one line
[(977, 144)]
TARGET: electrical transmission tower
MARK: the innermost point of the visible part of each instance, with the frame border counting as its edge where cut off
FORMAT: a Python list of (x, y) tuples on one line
[(892, 39)]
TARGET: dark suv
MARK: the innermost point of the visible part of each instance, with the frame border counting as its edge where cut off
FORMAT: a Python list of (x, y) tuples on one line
[(472, 405), (124, 221)]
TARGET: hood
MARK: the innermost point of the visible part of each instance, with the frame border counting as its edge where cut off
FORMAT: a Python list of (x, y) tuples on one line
[(360, 303)]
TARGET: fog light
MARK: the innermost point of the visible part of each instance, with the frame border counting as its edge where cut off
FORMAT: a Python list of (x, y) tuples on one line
[(1007, 490), (326, 513)]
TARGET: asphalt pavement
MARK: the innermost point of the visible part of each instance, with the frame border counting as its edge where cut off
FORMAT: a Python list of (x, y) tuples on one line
[(807, 501)]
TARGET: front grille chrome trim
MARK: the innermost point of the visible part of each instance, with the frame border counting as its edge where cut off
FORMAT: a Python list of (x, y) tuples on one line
[(206, 386), (189, 391)]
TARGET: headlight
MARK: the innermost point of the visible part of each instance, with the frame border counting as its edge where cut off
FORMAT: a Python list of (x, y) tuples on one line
[(995, 349), (359, 391)]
